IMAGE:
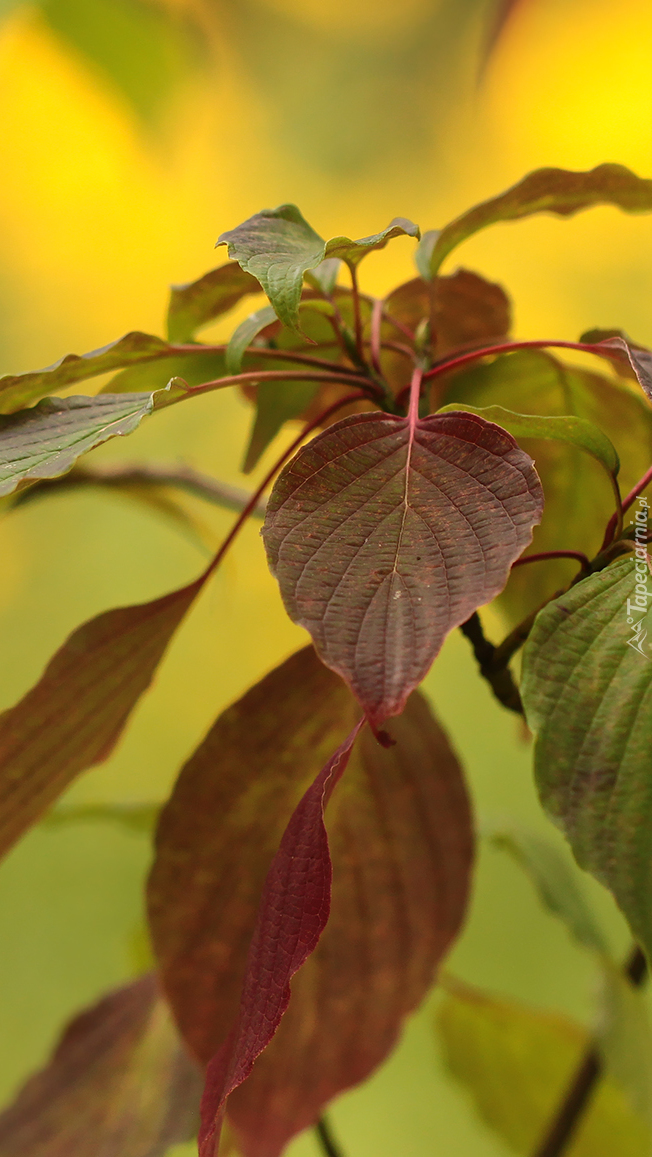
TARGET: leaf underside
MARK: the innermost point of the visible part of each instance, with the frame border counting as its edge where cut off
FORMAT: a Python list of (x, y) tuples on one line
[(44, 442), (382, 541)]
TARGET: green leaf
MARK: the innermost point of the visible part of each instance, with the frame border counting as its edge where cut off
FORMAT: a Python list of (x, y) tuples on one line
[(517, 1064), (137, 46), (564, 428), (243, 336), (200, 302), (73, 717), (324, 277), (119, 1083), (194, 369), (555, 883), (424, 251), (557, 191), (353, 251), (45, 441), (276, 404), (278, 247), (18, 390), (587, 691)]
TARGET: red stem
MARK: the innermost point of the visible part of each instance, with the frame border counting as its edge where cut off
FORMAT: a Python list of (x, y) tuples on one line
[(548, 554), (357, 316), (641, 485), (399, 325), (343, 377), (376, 318), (259, 351), (415, 397), (259, 491), (508, 347)]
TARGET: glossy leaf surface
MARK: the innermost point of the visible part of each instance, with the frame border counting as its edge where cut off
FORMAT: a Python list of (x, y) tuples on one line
[(384, 537), (199, 302), (559, 191), (587, 691), (119, 1083), (18, 390), (401, 845), (278, 247), (517, 1064), (44, 442), (73, 717)]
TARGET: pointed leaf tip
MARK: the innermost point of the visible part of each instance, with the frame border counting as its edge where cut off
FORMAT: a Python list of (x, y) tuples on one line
[(384, 538), (293, 914), (73, 717)]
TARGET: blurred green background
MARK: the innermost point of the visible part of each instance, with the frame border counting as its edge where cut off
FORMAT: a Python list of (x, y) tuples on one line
[(131, 134)]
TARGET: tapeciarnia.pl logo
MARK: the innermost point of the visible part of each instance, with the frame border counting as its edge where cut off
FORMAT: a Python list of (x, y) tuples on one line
[(641, 592)]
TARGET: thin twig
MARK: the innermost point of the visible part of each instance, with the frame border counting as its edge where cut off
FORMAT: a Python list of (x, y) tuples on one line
[(587, 1075), (546, 555), (343, 377), (326, 1139), (146, 474)]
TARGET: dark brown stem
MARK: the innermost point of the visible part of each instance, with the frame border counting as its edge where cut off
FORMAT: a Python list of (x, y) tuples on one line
[(588, 1073), (144, 474), (492, 666), (326, 1139)]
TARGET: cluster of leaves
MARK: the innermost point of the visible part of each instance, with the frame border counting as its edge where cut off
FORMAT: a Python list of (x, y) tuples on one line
[(321, 833)]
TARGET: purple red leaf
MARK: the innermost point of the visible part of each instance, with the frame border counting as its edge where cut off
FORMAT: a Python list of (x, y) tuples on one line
[(385, 534), (293, 913)]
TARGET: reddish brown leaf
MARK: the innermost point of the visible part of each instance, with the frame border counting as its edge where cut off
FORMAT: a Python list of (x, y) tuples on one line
[(401, 842), (119, 1084), (75, 714), (293, 913), (229, 808), (385, 534), (401, 846)]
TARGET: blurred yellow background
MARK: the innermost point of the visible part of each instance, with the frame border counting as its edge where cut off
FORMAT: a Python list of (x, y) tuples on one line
[(358, 111)]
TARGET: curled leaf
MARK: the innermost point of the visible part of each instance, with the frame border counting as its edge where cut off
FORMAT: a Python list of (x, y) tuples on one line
[(18, 390), (559, 191), (384, 536), (243, 336), (279, 247), (293, 912)]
